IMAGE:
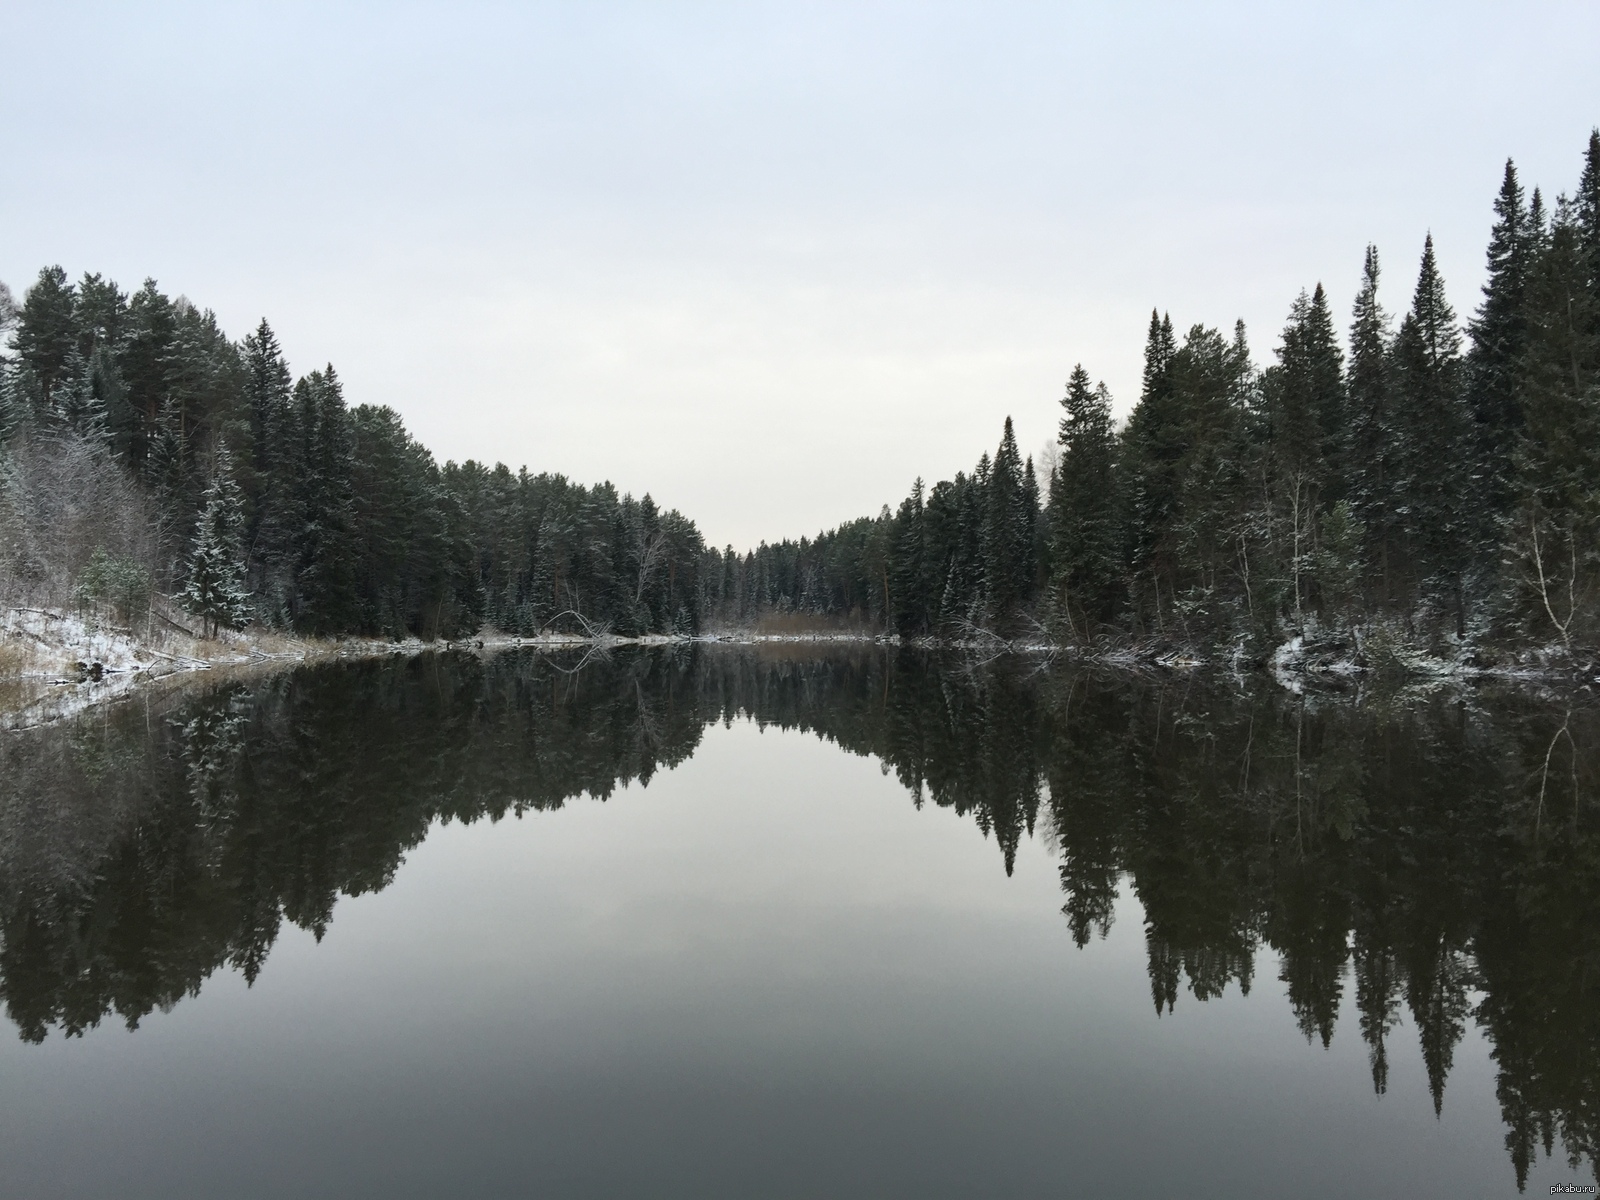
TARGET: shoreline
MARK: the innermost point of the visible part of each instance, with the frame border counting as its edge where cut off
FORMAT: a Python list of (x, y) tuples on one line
[(86, 665)]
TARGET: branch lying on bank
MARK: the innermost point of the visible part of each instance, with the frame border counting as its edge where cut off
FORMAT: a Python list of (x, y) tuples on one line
[(597, 632)]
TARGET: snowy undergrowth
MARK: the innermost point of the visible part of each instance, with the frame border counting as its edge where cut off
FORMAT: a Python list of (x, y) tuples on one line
[(55, 663)]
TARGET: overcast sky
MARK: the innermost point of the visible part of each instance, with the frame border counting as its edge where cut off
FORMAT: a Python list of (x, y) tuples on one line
[(766, 262)]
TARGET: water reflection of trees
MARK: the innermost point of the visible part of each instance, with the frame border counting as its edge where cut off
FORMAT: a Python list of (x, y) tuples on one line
[(1428, 863)]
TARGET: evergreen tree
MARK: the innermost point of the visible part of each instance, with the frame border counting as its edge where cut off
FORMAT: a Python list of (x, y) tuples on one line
[(276, 469), (1499, 343), (101, 313), (1304, 397), (1007, 534), (79, 405), (324, 599), (1371, 448), (1433, 436), (145, 361), (47, 332), (1152, 443), (1555, 530), (215, 591), (1587, 217), (1213, 389), (910, 578), (1304, 408), (1085, 538)]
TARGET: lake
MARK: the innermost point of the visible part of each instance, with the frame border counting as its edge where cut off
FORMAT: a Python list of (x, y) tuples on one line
[(709, 921)]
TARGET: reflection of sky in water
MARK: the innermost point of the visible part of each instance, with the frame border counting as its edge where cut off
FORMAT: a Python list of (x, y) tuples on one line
[(766, 974)]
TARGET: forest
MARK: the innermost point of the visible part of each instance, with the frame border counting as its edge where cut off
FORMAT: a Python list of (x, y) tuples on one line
[(1426, 483)]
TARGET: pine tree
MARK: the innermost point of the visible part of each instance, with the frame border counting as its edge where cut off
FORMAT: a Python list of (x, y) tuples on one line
[(215, 591), (1087, 577), (47, 332), (102, 313), (145, 362), (1371, 451)]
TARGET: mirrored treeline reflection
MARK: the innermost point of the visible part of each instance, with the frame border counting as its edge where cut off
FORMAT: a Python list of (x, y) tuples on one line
[(1416, 865)]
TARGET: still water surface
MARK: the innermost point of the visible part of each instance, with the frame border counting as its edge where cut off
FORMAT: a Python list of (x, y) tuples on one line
[(734, 923)]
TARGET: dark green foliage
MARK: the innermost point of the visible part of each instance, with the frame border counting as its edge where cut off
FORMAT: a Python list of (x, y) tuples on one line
[(1554, 534), (1007, 536), (1371, 449), (1499, 345), (1433, 435), (47, 332), (1304, 399), (1086, 578)]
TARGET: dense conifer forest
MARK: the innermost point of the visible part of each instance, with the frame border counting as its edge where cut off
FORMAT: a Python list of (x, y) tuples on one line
[(1425, 481)]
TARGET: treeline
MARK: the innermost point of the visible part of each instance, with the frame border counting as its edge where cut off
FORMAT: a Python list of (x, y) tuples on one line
[(1408, 870), (1426, 481), (260, 496), (1440, 480)]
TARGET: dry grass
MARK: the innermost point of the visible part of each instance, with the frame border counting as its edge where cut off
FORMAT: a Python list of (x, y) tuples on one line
[(16, 658)]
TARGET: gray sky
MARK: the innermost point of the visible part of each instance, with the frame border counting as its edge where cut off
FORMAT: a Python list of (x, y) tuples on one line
[(766, 262)]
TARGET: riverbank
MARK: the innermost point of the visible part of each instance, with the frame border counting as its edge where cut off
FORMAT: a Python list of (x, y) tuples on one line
[(55, 664)]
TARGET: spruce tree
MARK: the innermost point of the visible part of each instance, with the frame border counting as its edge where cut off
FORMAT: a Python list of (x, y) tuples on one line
[(1587, 215), (1152, 443), (324, 600), (908, 572), (1085, 538), (1007, 535), (1433, 436), (215, 591), (1499, 342), (1555, 528), (1372, 451), (272, 508), (1304, 406)]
